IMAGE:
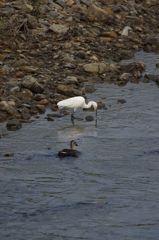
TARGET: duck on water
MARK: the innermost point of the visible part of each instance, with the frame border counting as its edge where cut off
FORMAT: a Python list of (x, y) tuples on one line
[(69, 152)]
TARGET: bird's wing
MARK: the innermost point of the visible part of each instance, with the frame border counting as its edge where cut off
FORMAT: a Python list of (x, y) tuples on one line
[(73, 102)]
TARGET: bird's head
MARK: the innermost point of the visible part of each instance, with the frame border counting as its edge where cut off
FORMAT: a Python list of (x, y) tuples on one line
[(95, 105)]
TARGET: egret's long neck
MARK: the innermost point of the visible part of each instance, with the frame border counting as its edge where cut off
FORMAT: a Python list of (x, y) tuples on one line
[(91, 103)]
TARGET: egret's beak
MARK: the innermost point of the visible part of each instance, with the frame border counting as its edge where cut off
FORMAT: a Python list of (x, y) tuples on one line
[(96, 113)]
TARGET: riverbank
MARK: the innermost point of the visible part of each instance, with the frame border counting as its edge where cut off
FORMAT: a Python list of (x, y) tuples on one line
[(53, 50)]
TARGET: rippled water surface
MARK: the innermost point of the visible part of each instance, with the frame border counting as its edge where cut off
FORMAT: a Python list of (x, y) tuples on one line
[(110, 192)]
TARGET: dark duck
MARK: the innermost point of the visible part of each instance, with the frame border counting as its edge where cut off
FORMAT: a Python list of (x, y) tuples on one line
[(69, 152)]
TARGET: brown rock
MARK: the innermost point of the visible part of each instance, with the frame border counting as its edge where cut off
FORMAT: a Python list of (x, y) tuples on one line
[(41, 108), (29, 69), (95, 67), (32, 84), (109, 34), (98, 13), (6, 107), (19, 74), (3, 116), (43, 102), (68, 91), (101, 105)]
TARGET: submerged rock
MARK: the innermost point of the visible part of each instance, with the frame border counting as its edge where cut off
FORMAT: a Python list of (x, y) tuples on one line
[(8, 155), (121, 101), (89, 118), (101, 105)]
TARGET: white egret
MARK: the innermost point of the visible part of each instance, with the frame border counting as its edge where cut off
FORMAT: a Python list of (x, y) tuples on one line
[(76, 102), (69, 152)]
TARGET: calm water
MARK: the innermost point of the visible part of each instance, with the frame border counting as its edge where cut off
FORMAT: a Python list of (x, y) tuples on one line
[(110, 192)]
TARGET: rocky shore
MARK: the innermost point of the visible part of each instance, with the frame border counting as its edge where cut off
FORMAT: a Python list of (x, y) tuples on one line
[(54, 49)]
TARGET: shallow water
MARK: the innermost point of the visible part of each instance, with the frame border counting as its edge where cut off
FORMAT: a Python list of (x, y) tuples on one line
[(110, 192)]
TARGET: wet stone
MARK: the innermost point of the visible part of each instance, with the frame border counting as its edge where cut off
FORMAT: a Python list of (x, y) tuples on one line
[(56, 115), (25, 114), (89, 89), (13, 124), (8, 155), (89, 118), (101, 105), (121, 101), (50, 119)]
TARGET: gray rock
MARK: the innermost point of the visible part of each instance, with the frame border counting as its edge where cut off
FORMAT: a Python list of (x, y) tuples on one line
[(13, 124), (153, 41), (15, 89), (126, 54), (39, 97), (121, 101), (81, 55), (71, 80), (43, 9), (59, 28), (125, 77), (25, 114), (31, 83)]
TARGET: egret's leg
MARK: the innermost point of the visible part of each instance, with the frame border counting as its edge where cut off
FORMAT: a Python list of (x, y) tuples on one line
[(96, 122), (72, 118), (72, 115)]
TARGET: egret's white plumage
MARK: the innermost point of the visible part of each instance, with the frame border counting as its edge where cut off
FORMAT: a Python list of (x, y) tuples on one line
[(76, 102)]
